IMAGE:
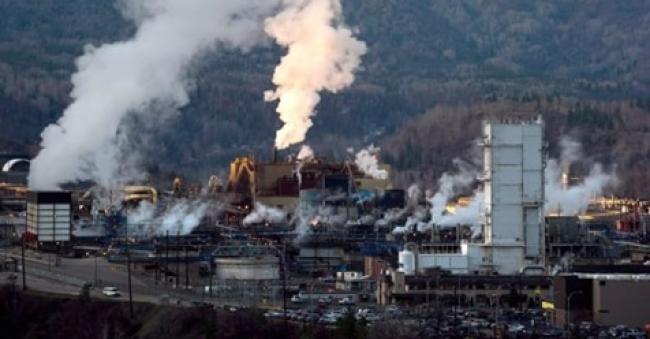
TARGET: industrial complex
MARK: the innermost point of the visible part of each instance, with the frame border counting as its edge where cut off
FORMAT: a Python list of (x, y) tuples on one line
[(309, 231)]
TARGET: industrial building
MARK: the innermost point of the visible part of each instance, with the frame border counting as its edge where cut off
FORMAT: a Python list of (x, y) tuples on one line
[(313, 226), (246, 262), (605, 295), (513, 207), (48, 220), (283, 184)]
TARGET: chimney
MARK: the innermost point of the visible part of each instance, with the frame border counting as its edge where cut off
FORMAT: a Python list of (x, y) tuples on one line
[(275, 155)]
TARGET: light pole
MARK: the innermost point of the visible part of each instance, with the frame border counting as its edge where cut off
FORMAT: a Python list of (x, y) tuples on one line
[(427, 293), (22, 260), (495, 305), (438, 313), (210, 278), (568, 306), (128, 270), (283, 269), (96, 282)]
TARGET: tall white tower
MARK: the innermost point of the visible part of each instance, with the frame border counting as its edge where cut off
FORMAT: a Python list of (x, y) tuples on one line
[(514, 195)]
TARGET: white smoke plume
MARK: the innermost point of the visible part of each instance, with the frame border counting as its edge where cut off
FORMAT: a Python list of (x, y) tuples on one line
[(305, 155), (413, 195), (263, 213), (306, 218), (322, 54), (390, 217), (120, 78), (143, 214), (450, 185), (574, 199), (366, 160), (183, 217), (180, 217), (571, 152), (466, 215), (571, 200)]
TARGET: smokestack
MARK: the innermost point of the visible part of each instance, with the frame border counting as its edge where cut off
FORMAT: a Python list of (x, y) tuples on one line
[(565, 181), (274, 155)]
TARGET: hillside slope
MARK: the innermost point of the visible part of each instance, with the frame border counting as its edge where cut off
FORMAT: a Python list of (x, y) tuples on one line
[(421, 54)]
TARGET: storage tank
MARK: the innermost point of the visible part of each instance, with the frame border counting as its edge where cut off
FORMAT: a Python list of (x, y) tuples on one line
[(406, 262), (246, 262)]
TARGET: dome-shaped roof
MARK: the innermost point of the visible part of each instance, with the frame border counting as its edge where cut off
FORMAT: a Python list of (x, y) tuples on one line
[(16, 165)]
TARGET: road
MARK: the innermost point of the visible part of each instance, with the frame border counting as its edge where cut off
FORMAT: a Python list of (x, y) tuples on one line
[(46, 272)]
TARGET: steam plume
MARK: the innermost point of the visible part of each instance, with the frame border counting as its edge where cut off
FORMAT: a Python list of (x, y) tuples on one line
[(450, 185), (570, 200), (183, 217), (367, 162), (180, 217), (322, 55), (305, 153), (414, 193), (263, 213), (466, 215), (573, 199), (130, 76)]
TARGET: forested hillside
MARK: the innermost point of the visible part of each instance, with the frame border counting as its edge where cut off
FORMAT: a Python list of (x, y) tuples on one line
[(616, 134), (433, 70)]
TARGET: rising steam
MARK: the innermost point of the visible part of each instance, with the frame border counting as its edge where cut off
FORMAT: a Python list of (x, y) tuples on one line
[(306, 154), (366, 160), (322, 55), (180, 217), (263, 213), (450, 185), (563, 199), (130, 76)]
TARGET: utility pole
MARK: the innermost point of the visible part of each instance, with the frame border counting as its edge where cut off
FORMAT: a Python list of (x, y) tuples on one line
[(96, 282), (157, 271), (438, 313), (283, 266), (178, 264), (166, 255), (22, 259), (187, 264), (210, 279), (128, 270), (427, 293)]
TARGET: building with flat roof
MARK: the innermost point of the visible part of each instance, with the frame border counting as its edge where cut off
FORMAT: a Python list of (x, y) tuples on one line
[(605, 299), (48, 219), (512, 209)]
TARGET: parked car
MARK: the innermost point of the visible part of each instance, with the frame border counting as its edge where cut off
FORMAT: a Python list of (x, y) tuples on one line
[(346, 301)]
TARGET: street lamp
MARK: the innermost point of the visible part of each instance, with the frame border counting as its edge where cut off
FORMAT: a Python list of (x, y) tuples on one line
[(495, 305), (128, 269), (283, 267), (568, 307), (96, 281), (427, 293)]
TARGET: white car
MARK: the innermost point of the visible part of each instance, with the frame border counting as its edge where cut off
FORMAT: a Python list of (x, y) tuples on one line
[(111, 292), (346, 301)]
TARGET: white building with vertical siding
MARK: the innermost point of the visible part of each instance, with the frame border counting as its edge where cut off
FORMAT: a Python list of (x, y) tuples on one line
[(513, 207)]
